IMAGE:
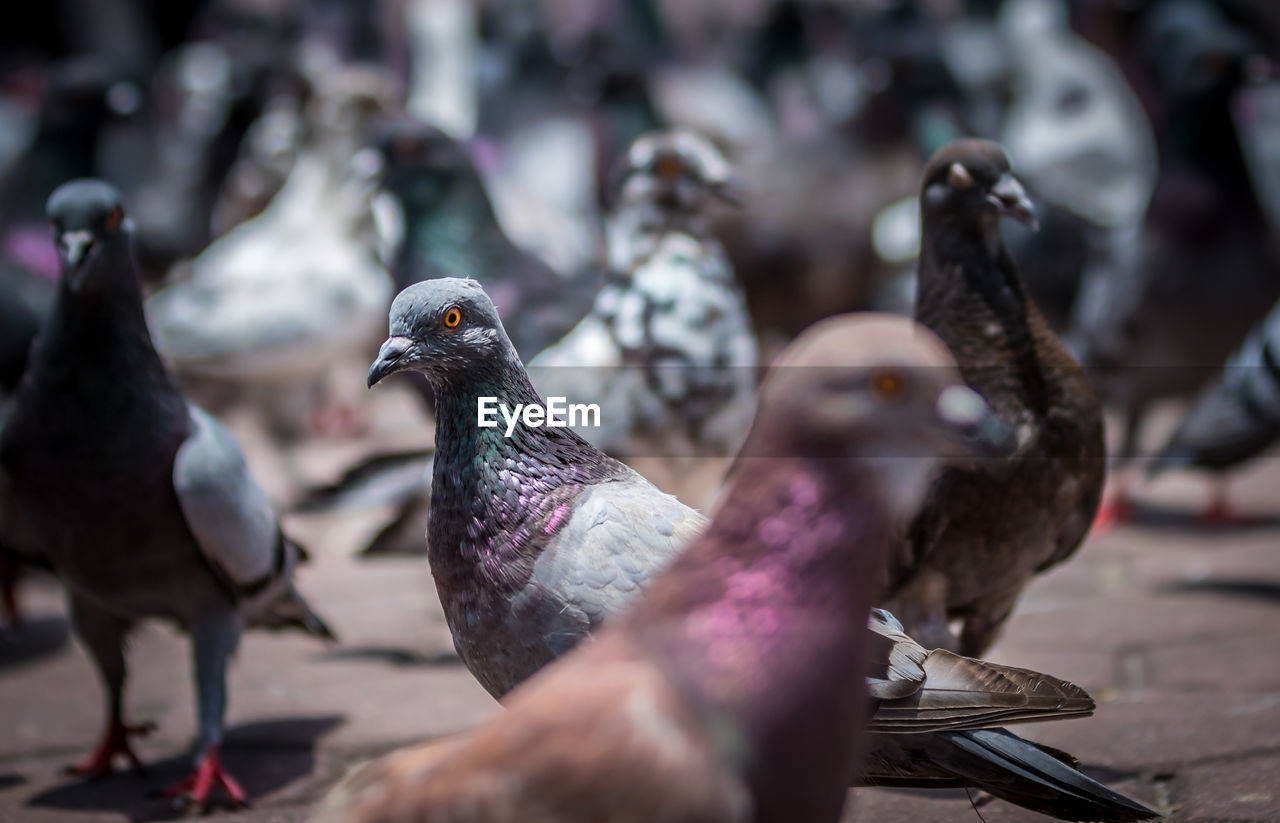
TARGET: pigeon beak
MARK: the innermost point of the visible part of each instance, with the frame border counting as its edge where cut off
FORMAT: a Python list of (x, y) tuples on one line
[(390, 359), (1008, 196), (964, 411), (74, 245), (729, 191)]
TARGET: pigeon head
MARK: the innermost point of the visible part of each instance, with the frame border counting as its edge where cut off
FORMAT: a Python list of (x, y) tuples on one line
[(878, 390), (971, 181), (87, 218), (442, 328), (420, 155), (675, 170)]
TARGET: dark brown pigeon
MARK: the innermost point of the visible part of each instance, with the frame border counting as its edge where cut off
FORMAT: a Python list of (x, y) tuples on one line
[(988, 528), (539, 537), (139, 502), (730, 692)]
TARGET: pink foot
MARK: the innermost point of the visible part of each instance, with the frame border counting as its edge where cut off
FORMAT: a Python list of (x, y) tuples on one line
[(197, 786), (1113, 512), (114, 742)]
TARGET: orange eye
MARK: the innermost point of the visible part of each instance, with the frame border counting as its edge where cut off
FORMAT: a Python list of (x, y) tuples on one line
[(114, 218), (452, 318), (669, 168), (888, 385)]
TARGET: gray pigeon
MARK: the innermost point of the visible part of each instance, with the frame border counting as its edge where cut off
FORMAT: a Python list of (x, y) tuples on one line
[(667, 350), (725, 693), (1233, 419), (537, 537), (139, 502)]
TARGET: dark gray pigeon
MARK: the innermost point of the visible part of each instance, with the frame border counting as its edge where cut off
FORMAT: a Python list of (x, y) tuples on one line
[(1233, 419), (536, 538), (140, 503), (730, 691)]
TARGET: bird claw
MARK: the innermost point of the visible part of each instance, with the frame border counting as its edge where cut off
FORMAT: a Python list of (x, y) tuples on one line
[(115, 741), (197, 788)]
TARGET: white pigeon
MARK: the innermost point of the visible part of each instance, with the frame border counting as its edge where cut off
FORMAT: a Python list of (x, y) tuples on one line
[(276, 300)]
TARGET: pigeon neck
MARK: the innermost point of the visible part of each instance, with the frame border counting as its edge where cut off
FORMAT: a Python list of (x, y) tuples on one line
[(968, 289), (496, 497), (780, 582), (636, 231), (450, 224)]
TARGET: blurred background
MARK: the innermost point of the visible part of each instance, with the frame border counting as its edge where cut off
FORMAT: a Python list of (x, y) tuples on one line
[(272, 158)]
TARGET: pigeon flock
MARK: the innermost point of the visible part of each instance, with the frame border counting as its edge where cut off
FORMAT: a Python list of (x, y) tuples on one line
[(890, 269)]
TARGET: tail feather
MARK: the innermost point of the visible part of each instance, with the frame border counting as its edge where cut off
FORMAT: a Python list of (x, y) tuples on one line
[(1033, 777)]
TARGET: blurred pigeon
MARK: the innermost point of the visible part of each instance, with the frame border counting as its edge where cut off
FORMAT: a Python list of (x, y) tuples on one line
[(449, 226), (1233, 419), (1157, 326), (1080, 135), (724, 693), (140, 503), (536, 538), (990, 527), (1084, 148), (667, 351), (271, 305)]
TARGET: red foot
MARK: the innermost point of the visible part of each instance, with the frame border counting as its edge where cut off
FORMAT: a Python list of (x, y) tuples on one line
[(1113, 512), (1220, 513), (199, 784), (9, 602), (114, 742)]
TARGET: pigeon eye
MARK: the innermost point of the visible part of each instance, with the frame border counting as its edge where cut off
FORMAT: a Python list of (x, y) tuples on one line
[(113, 218), (888, 385), (669, 168), (452, 318)]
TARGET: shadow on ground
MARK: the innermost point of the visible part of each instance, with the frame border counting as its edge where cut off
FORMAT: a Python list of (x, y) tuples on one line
[(1159, 517), (34, 639), (1265, 590), (264, 757)]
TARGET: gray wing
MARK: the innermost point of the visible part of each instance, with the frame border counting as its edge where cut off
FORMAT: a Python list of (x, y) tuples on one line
[(622, 533), (229, 515)]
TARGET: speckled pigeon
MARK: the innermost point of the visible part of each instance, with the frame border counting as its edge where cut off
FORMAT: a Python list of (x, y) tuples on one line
[(667, 350), (538, 537), (139, 502)]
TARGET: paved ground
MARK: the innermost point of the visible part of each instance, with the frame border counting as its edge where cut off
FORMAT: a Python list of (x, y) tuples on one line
[(1175, 630)]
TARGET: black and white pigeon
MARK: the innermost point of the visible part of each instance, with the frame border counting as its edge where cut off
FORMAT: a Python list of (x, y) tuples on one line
[(992, 526), (667, 351), (139, 502), (1233, 419), (730, 691), (537, 538)]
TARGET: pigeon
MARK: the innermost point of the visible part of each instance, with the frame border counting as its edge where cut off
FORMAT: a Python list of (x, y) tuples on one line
[(537, 538), (449, 226), (1156, 327), (139, 502), (667, 350), (990, 527), (724, 692), (273, 303), (1233, 419)]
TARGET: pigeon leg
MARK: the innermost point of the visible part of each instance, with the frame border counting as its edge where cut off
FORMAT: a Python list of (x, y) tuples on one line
[(214, 639), (103, 634), (1220, 512), (921, 606), (8, 591), (983, 625)]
